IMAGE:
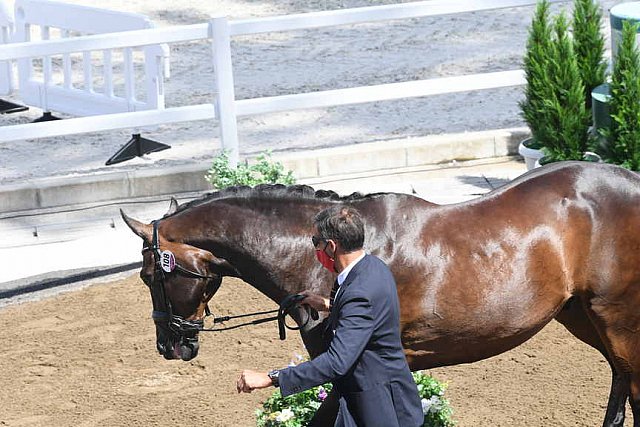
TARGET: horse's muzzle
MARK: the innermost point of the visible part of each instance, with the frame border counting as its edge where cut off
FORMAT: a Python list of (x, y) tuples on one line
[(177, 347), (189, 348)]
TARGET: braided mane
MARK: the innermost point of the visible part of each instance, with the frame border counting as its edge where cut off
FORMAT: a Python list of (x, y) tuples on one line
[(276, 191)]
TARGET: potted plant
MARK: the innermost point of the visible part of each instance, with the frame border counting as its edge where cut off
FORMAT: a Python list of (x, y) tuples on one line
[(588, 45), (623, 135), (565, 116), (589, 42), (536, 73), (561, 72)]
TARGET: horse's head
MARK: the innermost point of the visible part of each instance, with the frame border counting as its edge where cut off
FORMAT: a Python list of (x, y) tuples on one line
[(181, 279)]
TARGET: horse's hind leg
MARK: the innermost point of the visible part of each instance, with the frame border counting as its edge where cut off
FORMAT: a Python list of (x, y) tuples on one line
[(573, 316), (634, 398), (617, 318)]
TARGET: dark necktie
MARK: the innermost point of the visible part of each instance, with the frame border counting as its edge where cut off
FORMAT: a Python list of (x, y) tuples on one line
[(332, 296)]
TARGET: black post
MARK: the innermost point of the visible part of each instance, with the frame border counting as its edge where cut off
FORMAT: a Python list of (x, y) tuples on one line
[(46, 117)]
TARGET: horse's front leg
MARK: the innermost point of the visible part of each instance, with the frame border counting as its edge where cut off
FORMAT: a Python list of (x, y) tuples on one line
[(635, 408)]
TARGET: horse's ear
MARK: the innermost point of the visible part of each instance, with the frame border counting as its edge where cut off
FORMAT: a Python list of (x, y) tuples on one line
[(173, 207), (142, 230)]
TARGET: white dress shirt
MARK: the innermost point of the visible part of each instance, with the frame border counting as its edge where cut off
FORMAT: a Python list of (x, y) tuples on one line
[(344, 273)]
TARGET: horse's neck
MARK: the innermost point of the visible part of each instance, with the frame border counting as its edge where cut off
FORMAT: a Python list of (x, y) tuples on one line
[(246, 240)]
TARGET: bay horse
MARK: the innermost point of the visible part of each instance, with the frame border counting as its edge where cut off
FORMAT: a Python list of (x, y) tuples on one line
[(474, 279)]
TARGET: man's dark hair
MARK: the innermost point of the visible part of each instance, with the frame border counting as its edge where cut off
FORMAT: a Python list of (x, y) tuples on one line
[(342, 224)]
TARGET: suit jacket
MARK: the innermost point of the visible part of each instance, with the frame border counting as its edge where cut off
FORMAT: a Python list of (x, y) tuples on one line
[(364, 361)]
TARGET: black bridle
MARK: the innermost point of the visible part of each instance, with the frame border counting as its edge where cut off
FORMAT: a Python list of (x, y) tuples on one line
[(187, 330)]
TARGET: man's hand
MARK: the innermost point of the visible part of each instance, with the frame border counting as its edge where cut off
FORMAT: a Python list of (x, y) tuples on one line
[(252, 380), (315, 301)]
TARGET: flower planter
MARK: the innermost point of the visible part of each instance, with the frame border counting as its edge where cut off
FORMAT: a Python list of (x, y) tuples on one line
[(541, 162), (588, 156), (531, 151)]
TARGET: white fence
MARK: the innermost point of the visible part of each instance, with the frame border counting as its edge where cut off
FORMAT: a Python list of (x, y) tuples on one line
[(6, 29), (225, 108), (71, 86)]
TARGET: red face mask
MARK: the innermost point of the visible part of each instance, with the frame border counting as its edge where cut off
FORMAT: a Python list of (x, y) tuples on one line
[(326, 261)]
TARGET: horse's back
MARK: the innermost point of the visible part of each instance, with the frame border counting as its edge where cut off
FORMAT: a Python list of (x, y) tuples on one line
[(500, 266), (589, 212), (579, 178)]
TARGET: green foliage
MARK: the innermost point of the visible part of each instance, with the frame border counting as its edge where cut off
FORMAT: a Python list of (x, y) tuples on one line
[(298, 409), (536, 71), (291, 411), (555, 106), (265, 170), (564, 107), (588, 42), (624, 105), (435, 407)]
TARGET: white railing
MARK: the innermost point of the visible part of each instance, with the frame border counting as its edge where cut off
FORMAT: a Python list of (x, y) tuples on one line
[(6, 70), (225, 107), (74, 87)]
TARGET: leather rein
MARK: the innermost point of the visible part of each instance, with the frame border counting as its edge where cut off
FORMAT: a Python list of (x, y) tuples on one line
[(165, 263)]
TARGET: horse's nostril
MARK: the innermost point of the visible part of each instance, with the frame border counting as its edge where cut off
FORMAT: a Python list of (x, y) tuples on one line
[(186, 353), (189, 351)]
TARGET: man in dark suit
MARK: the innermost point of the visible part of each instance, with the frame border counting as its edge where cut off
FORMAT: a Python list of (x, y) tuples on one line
[(364, 361)]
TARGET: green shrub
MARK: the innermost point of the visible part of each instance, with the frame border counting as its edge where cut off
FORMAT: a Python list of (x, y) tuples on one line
[(561, 72), (536, 71), (624, 105), (565, 107), (298, 409), (435, 407), (588, 43), (291, 411), (264, 171)]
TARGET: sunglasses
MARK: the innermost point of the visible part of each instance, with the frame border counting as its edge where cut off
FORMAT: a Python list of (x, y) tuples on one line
[(316, 240)]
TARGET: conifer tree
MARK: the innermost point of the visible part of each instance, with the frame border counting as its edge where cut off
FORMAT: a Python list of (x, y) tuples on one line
[(536, 70), (588, 42), (565, 110), (624, 105)]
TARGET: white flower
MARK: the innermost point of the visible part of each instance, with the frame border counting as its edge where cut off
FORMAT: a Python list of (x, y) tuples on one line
[(436, 404), (285, 415), (433, 405), (426, 405)]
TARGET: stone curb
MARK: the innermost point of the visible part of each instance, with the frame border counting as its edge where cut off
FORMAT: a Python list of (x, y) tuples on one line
[(406, 152), (390, 154)]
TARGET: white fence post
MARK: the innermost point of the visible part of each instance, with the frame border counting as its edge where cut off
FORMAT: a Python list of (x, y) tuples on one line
[(225, 92)]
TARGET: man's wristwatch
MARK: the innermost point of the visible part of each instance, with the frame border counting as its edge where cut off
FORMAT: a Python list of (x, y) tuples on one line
[(275, 377)]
